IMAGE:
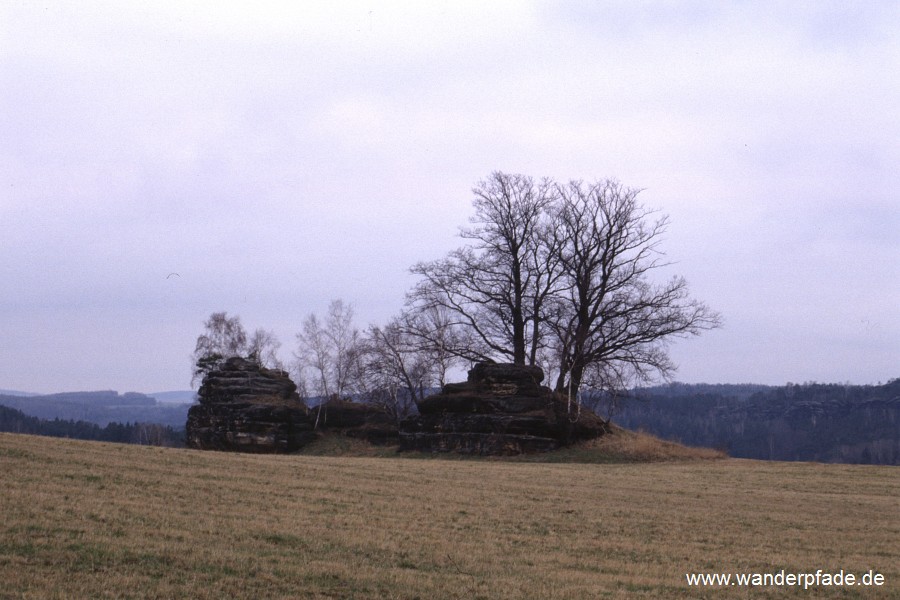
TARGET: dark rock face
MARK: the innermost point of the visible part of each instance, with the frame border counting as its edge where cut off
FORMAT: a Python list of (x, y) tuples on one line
[(501, 410), (244, 407), (357, 420)]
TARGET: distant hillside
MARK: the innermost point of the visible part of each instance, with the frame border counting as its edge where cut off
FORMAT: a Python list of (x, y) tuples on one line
[(100, 407), (14, 393), (808, 422), (15, 421), (177, 397)]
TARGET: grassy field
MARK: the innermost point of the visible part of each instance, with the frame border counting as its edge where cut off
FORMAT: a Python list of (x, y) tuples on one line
[(93, 520)]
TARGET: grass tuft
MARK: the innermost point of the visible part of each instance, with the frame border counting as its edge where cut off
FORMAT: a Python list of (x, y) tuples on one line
[(623, 445)]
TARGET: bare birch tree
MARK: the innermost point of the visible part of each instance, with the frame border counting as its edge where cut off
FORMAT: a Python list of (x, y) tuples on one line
[(331, 351), (396, 372), (432, 333), (223, 338), (262, 346)]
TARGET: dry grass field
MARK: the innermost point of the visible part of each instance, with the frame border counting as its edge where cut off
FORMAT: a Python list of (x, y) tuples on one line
[(93, 520)]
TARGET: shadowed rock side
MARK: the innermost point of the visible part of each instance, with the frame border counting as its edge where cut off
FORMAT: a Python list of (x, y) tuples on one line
[(501, 410), (247, 408), (355, 419)]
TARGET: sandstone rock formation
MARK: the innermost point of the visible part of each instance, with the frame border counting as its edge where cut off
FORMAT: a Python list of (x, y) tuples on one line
[(247, 408), (244, 407), (501, 410)]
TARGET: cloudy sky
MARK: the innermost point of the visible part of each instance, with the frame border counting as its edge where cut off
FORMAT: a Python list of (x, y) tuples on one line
[(163, 160)]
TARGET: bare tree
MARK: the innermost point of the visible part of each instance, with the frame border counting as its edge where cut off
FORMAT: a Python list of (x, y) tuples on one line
[(314, 353), (298, 376), (432, 333), (561, 276), (223, 337), (396, 371), (345, 341), (331, 351), (495, 287), (611, 322), (263, 348)]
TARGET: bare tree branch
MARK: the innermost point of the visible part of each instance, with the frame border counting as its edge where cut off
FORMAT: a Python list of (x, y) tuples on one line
[(612, 316), (495, 286)]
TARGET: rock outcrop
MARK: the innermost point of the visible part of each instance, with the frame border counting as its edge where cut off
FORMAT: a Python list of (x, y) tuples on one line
[(247, 408), (501, 410)]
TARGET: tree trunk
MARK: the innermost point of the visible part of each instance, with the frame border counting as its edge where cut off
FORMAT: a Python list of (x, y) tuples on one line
[(518, 318)]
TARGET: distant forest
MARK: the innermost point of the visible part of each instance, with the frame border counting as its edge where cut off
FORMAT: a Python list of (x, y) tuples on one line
[(796, 422), (151, 434), (100, 407)]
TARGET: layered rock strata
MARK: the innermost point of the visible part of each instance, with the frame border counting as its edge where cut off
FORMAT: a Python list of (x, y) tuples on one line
[(247, 408), (501, 409)]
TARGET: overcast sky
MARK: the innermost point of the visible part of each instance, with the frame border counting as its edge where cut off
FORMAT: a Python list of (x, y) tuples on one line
[(160, 161)]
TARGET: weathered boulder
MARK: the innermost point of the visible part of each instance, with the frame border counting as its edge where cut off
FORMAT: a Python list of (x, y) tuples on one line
[(501, 410), (247, 408)]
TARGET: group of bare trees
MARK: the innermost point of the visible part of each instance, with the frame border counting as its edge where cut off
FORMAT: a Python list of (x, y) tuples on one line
[(388, 365), (559, 275), (563, 276), (384, 365), (224, 337)]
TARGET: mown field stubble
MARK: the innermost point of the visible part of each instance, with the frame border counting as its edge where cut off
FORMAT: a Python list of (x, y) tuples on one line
[(93, 520)]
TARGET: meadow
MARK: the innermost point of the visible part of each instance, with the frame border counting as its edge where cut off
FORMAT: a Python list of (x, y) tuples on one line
[(101, 520)]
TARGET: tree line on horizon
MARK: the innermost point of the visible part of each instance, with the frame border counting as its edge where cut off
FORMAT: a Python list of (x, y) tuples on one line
[(148, 434), (556, 275), (803, 422)]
